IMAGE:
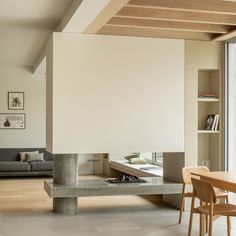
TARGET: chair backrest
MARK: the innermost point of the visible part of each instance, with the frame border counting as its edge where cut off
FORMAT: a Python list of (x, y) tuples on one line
[(186, 172), (204, 191)]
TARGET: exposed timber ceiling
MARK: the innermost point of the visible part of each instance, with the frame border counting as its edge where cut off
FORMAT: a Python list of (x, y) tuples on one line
[(181, 19)]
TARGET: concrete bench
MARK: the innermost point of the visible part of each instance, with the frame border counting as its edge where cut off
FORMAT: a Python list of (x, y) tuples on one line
[(65, 195), (98, 187)]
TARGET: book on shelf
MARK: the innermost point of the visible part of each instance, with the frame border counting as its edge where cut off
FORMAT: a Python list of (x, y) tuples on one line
[(216, 127), (208, 95), (212, 122)]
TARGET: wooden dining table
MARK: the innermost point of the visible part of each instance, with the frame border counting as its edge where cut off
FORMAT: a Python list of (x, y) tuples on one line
[(219, 179)]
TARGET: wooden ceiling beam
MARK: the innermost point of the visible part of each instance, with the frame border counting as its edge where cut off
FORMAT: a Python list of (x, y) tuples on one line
[(106, 14), (172, 25), (226, 37), (154, 33), (171, 15), (207, 6)]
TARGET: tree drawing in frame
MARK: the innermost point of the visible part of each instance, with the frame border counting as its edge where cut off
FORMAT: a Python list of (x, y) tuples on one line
[(15, 101)]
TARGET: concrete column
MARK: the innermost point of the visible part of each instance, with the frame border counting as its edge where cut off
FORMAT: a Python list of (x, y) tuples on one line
[(173, 164), (66, 168)]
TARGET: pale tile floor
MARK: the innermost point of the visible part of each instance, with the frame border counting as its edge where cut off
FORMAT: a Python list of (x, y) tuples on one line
[(98, 216), (147, 220)]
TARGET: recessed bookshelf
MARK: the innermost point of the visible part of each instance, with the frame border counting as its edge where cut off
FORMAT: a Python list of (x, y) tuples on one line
[(204, 110), (209, 100), (208, 83)]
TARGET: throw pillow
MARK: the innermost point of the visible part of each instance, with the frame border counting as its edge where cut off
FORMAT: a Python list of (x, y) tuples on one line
[(23, 156), (34, 157), (135, 159), (138, 160), (131, 156)]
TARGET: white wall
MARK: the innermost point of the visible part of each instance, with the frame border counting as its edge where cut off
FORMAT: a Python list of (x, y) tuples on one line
[(34, 86), (116, 94)]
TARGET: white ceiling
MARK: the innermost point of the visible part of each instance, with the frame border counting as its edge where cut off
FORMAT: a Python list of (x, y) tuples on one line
[(25, 26)]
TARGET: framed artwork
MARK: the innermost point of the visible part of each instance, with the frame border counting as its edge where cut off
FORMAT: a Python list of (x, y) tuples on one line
[(15, 100), (12, 121)]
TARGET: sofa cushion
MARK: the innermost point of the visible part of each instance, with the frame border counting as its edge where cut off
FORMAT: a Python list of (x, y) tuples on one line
[(12, 154), (23, 155), (41, 166), (31, 157), (16, 166)]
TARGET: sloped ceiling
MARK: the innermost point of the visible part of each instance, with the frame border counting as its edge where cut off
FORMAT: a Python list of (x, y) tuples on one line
[(25, 26)]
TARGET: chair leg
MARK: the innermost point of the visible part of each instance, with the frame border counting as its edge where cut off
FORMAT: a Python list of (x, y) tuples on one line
[(201, 224), (228, 223), (203, 221), (210, 226), (190, 224), (181, 205), (228, 226), (191, 217), (206, 224), (210, 221)]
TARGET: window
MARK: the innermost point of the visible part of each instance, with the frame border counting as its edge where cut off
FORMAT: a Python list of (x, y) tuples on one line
[(230, 105)]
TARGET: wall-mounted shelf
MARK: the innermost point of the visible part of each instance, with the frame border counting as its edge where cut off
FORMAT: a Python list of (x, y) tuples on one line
[(208, 131), (208, 99)]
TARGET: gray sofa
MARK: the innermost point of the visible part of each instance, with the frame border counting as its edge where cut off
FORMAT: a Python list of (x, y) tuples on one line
[(10, 164)]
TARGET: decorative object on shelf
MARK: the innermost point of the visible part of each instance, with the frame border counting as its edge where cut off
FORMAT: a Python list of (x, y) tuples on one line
[(209, 122), (212, 122), (12, 121), (208, 95), (15, 100)]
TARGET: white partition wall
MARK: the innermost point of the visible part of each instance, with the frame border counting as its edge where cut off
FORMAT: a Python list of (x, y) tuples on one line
[(114, 94)]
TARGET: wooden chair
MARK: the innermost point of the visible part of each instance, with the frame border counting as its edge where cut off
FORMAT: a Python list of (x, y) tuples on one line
[(206, 193), (186, 173)]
